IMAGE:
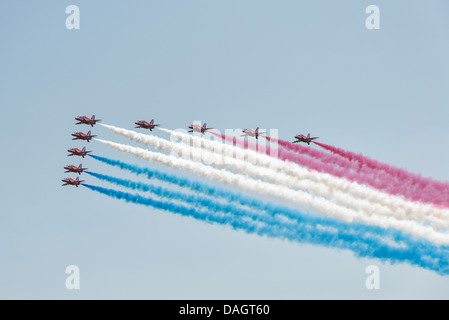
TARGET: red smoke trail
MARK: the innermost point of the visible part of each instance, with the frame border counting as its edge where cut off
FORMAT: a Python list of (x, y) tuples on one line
[(237, 142), (346, 167), (393, 171), (321, 163), (425, 189), (371, 172), (317, 154)]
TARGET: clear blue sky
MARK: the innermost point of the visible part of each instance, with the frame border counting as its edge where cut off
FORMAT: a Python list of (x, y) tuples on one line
[(294, 66)]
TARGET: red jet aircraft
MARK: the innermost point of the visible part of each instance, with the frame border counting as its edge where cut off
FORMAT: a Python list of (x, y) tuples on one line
[(306, 139), (83, 136), (75, 169), (78, 152), (252, 133), (86, 120), (73, 182), (198, 128), (146, 125)]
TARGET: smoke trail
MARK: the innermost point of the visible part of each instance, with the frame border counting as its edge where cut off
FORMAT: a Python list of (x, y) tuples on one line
[(317, 160), (245, 144), (364, 173), (361, 198), (191, 199), (374, 164), (366, 205), (194, 185), (342, 164), (396, 181), (378, 180), (272, 218), (229, 196), (425, 189), (320, 236), (295, 196), (361, 231), (316, 154)]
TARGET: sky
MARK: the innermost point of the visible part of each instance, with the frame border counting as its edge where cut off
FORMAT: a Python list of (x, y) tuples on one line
[(294, 66)]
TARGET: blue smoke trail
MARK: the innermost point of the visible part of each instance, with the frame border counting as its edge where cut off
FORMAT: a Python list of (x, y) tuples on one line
[(211, 204), (363, 231), (192, 199), (230, 196), (189, 183), (361, 245)]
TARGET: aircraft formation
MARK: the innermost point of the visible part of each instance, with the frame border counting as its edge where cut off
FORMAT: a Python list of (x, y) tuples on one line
[(358, 209), (142, 124), (79, 152)]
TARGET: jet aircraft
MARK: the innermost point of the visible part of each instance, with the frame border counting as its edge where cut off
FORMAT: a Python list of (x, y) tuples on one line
[(306, 139), (85, 120), (198, 128), (72, 182), (146, 125), (252, 133), (78, 152), (83, 136), (75, 169)]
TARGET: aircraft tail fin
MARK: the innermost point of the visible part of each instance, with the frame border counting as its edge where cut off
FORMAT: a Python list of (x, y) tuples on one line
[(84, 149), (152, 121), (93, 117), (80, 166), (308, 136), (204, 125), (88, 133)]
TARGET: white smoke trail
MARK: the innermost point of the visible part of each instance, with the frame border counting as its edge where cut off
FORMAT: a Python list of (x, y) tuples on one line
[(283, 192), (398, 206), (280, 172)]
